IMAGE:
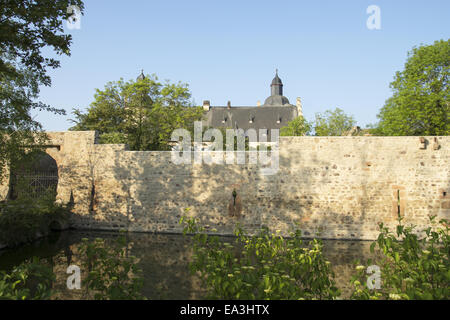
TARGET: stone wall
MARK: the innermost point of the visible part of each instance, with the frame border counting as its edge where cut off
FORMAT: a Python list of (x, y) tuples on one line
[(338, 186)]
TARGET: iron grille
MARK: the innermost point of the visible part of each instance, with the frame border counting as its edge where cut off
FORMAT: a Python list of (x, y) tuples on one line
[(33, 183)]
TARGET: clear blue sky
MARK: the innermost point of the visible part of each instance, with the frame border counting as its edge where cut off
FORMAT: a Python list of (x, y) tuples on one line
[(229, 50)]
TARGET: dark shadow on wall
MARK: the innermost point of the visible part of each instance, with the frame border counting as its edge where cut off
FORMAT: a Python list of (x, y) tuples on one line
[(151, 194), (158, 192)]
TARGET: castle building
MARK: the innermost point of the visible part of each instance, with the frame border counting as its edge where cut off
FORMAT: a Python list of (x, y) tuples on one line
[(275, 113)]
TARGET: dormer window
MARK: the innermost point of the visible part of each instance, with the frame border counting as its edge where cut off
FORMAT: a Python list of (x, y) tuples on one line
[(252, 118), (279, 120)]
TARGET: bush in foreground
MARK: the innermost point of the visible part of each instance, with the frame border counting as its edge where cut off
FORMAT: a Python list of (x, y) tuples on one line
[(26, 219), (265, 266), (109, 274), (31, 280), (112, 273), (412, 267)]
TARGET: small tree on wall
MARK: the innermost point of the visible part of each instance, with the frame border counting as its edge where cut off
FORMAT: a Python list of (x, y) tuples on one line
[(141, 113), (333, 123), (297, 127)]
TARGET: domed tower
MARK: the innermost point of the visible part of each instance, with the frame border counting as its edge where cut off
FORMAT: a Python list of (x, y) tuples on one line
[(276, 90), (276, 87), (141, 76)]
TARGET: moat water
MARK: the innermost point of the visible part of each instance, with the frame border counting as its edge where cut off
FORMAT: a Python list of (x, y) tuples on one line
[(164, 259)]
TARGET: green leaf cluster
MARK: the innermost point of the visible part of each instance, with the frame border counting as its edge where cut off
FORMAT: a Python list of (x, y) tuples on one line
[(112, 273), (26, 27), (141, 113), (297, 127), (414, 265), (333, 123), (31, 280), (264, 266), (330, 123), (420, 104)]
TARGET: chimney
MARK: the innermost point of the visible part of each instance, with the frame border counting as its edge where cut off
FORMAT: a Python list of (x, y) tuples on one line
[(258, 103), (299, 107), (229, 105), (206, 105)]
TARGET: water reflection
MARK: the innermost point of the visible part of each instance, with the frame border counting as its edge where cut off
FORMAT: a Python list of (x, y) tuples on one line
[(164, 259)]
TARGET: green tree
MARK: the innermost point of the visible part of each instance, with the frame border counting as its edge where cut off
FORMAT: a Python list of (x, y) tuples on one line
[(297, 127), (420, 104), (26, 27), (141, 113), (333, 123)]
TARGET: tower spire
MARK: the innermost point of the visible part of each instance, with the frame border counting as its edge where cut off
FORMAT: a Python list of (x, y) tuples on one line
[(276, 93), (277, 85), (141, 76)]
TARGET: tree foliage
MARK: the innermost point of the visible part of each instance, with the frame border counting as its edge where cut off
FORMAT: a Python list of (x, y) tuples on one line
[(420, 104), (113, 274), (297, 127), (26, 28), (333, 123), (264, 266), (141, 113), (109, 273), (22, 219), (31, 280), (413, 266)]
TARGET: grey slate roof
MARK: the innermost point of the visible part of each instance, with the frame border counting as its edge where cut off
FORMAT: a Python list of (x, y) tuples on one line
[(274, 114), (264, 117)]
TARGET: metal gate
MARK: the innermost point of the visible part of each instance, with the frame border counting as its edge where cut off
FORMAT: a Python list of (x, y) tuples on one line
[(35, 181), (34, 184)]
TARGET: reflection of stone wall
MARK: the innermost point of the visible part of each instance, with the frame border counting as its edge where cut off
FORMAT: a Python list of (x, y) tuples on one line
[(340, 186), (164, 260), (342, 255)]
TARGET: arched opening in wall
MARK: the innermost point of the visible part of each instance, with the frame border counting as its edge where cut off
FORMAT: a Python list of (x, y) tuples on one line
[(35, 176)]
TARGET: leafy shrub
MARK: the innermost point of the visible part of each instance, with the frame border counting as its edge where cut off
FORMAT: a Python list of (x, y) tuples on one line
[(31, 280), (113, 138), (265, 266), (112, 274), (411, 267), (23, 219), (297, 127)]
